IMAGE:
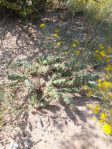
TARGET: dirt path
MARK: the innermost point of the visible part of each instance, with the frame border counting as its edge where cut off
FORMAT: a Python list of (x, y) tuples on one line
[(55, 127)]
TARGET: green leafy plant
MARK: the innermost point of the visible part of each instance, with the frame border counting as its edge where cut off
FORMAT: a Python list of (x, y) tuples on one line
[(23, 7)]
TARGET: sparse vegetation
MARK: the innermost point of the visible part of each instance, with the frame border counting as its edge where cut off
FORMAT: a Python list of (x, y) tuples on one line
[(93, 9), (66, 67), (52, 77)]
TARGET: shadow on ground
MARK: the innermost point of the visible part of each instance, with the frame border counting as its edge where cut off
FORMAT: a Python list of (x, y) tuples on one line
[(21, 41)]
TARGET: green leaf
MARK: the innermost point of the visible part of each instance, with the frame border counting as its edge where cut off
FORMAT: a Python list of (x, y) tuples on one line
[(67, 99), (27, 83), (15, 76), (92, 84)]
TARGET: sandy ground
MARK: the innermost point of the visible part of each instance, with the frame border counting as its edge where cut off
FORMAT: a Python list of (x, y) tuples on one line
[(55, 127)]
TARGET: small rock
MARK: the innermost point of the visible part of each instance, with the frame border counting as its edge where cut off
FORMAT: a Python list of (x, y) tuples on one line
[(14, 145), (27, 143)]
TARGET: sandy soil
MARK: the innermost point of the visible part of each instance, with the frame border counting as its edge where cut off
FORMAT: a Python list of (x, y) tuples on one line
[(56, 128)]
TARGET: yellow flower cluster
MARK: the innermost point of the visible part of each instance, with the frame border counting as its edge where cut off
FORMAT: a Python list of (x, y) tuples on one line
[(89, 93), (58, 44), (101, 46), (56, 35), (77, 52), (94, 109), (107, 129), (85, 88), (103, 53), (104, 85), (109, 50), (108, 68), (75, 43), (103, 117)]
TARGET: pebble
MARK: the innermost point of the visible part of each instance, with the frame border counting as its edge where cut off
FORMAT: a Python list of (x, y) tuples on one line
[(14, 145)]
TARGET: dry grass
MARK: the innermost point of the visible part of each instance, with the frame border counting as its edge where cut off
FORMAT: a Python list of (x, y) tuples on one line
[(98, 10)]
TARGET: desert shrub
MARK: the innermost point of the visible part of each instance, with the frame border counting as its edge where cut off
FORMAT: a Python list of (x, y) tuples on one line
[(23, 7)]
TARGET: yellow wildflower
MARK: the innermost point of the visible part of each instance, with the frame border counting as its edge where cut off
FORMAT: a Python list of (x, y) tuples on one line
[(58, 44), (109, 50), (107, 58), (86, 88), (98, 56), (105, 85), (96, 109), (56, 35), (66, 52), (77, 53), (99, 81), (101, 46), (90, 107), (103, 117), (90, 93), (102, 54), (75, 43), (108, 68), (42, 25), (96, 51), (107, 129)]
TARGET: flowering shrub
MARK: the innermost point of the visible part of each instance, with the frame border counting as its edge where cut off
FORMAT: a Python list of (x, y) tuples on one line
[(104, 92), (103, 119)]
